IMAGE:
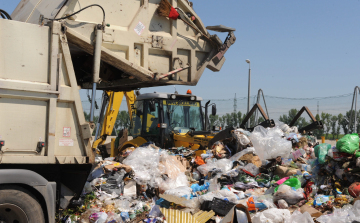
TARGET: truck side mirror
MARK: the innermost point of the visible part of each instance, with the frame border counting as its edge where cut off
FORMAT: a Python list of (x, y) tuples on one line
[(213, 110)]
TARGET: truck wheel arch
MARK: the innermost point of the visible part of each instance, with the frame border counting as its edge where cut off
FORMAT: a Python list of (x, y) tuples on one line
[(43, 190)]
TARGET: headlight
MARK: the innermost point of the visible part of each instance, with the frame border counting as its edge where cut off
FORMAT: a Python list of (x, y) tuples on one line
[(173, 96), (192, 98)]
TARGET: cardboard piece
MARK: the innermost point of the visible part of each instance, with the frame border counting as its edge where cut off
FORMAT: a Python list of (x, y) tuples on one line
[(283, 171), (312, 211), (110, 167), (250, 158)]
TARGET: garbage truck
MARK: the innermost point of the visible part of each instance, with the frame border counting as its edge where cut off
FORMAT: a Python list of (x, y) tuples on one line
[(51, 49)]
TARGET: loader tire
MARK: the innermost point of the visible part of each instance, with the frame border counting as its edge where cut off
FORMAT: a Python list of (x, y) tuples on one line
[(17, 205)]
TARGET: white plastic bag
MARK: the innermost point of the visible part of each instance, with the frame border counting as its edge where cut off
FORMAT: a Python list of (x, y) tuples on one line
[(272, 215), (180, 192), (298, 217), (288, 194), (282, 204), (222, 194), (269, 144)]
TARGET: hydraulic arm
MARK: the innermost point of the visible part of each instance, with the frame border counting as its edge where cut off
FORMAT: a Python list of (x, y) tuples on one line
[(112, 100)]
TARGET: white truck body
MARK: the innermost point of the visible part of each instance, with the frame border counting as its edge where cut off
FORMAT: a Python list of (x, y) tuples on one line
[(45, 141)]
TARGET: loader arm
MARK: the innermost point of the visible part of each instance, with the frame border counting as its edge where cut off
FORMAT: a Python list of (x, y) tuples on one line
[(112, 110)]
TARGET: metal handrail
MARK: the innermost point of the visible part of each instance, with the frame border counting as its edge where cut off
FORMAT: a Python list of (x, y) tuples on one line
[(352, 106), (258, 102)]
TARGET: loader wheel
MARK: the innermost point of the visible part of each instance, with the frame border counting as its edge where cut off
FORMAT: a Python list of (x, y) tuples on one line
[(18, 205)]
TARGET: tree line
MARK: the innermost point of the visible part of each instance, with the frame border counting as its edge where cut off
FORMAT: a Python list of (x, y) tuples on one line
[(334, 125), (122, 121)]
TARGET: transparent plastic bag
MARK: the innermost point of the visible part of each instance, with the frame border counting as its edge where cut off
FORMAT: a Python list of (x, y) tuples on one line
[(170, 165), (180, 181), (145, 163), (346, 214), (269, 144), (321, 151), (288, 194), (238, 155), (252, 169), (224, 165)]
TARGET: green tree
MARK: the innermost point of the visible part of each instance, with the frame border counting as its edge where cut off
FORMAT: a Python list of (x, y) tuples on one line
[(229, 120), (318, 132), (338, 128), (300, 123), (333, 122), (326, 118), (214, 120), (222, 121), (240, 117), (122, 120)]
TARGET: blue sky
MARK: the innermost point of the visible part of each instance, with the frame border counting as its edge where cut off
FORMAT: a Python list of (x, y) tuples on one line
[(297, 48)]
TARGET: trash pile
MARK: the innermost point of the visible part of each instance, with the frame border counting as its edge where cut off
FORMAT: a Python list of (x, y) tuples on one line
[(267, 175)]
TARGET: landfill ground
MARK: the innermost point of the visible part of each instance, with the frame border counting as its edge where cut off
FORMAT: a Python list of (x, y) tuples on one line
[(270, 175)]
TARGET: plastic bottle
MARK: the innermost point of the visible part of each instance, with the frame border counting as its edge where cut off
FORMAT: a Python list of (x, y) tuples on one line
[(102, 217), (125, 216), (196, 175), (314, 189)]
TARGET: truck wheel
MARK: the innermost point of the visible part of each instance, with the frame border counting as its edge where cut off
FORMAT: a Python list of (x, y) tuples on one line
[(18, 205)]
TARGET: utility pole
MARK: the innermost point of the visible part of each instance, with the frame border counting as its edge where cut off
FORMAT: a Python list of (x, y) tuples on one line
[(248, 104), (318, 108), (235, 103)]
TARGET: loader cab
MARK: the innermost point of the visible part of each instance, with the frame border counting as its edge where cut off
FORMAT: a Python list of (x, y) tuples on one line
[(155, 116)]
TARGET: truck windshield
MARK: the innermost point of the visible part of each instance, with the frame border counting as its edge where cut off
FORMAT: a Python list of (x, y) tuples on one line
[(182, 115)]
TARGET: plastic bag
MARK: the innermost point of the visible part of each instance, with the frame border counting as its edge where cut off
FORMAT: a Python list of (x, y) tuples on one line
[(269, 144), (172, 166), (272, 215), (145, 163), (321, 151), (180, 181), (224, 165), (293, 182), (282, 204), (251, 169), (180, 192), (349, 143), (288, 194), (346, 214), (298, 217), (222, 194), (238, 155)]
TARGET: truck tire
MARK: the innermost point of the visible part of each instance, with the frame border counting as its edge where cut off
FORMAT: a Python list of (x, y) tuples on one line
[(17, 205)]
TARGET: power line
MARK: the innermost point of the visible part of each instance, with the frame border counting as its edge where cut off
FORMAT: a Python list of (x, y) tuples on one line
[(269, 96)]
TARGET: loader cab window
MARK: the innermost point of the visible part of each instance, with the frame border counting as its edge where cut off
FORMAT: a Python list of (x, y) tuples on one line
[(182, 115), (145, 118), (151, 118), (137, 117)]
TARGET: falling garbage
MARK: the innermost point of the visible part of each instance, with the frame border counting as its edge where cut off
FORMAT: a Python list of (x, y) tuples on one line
[(272, 175)]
